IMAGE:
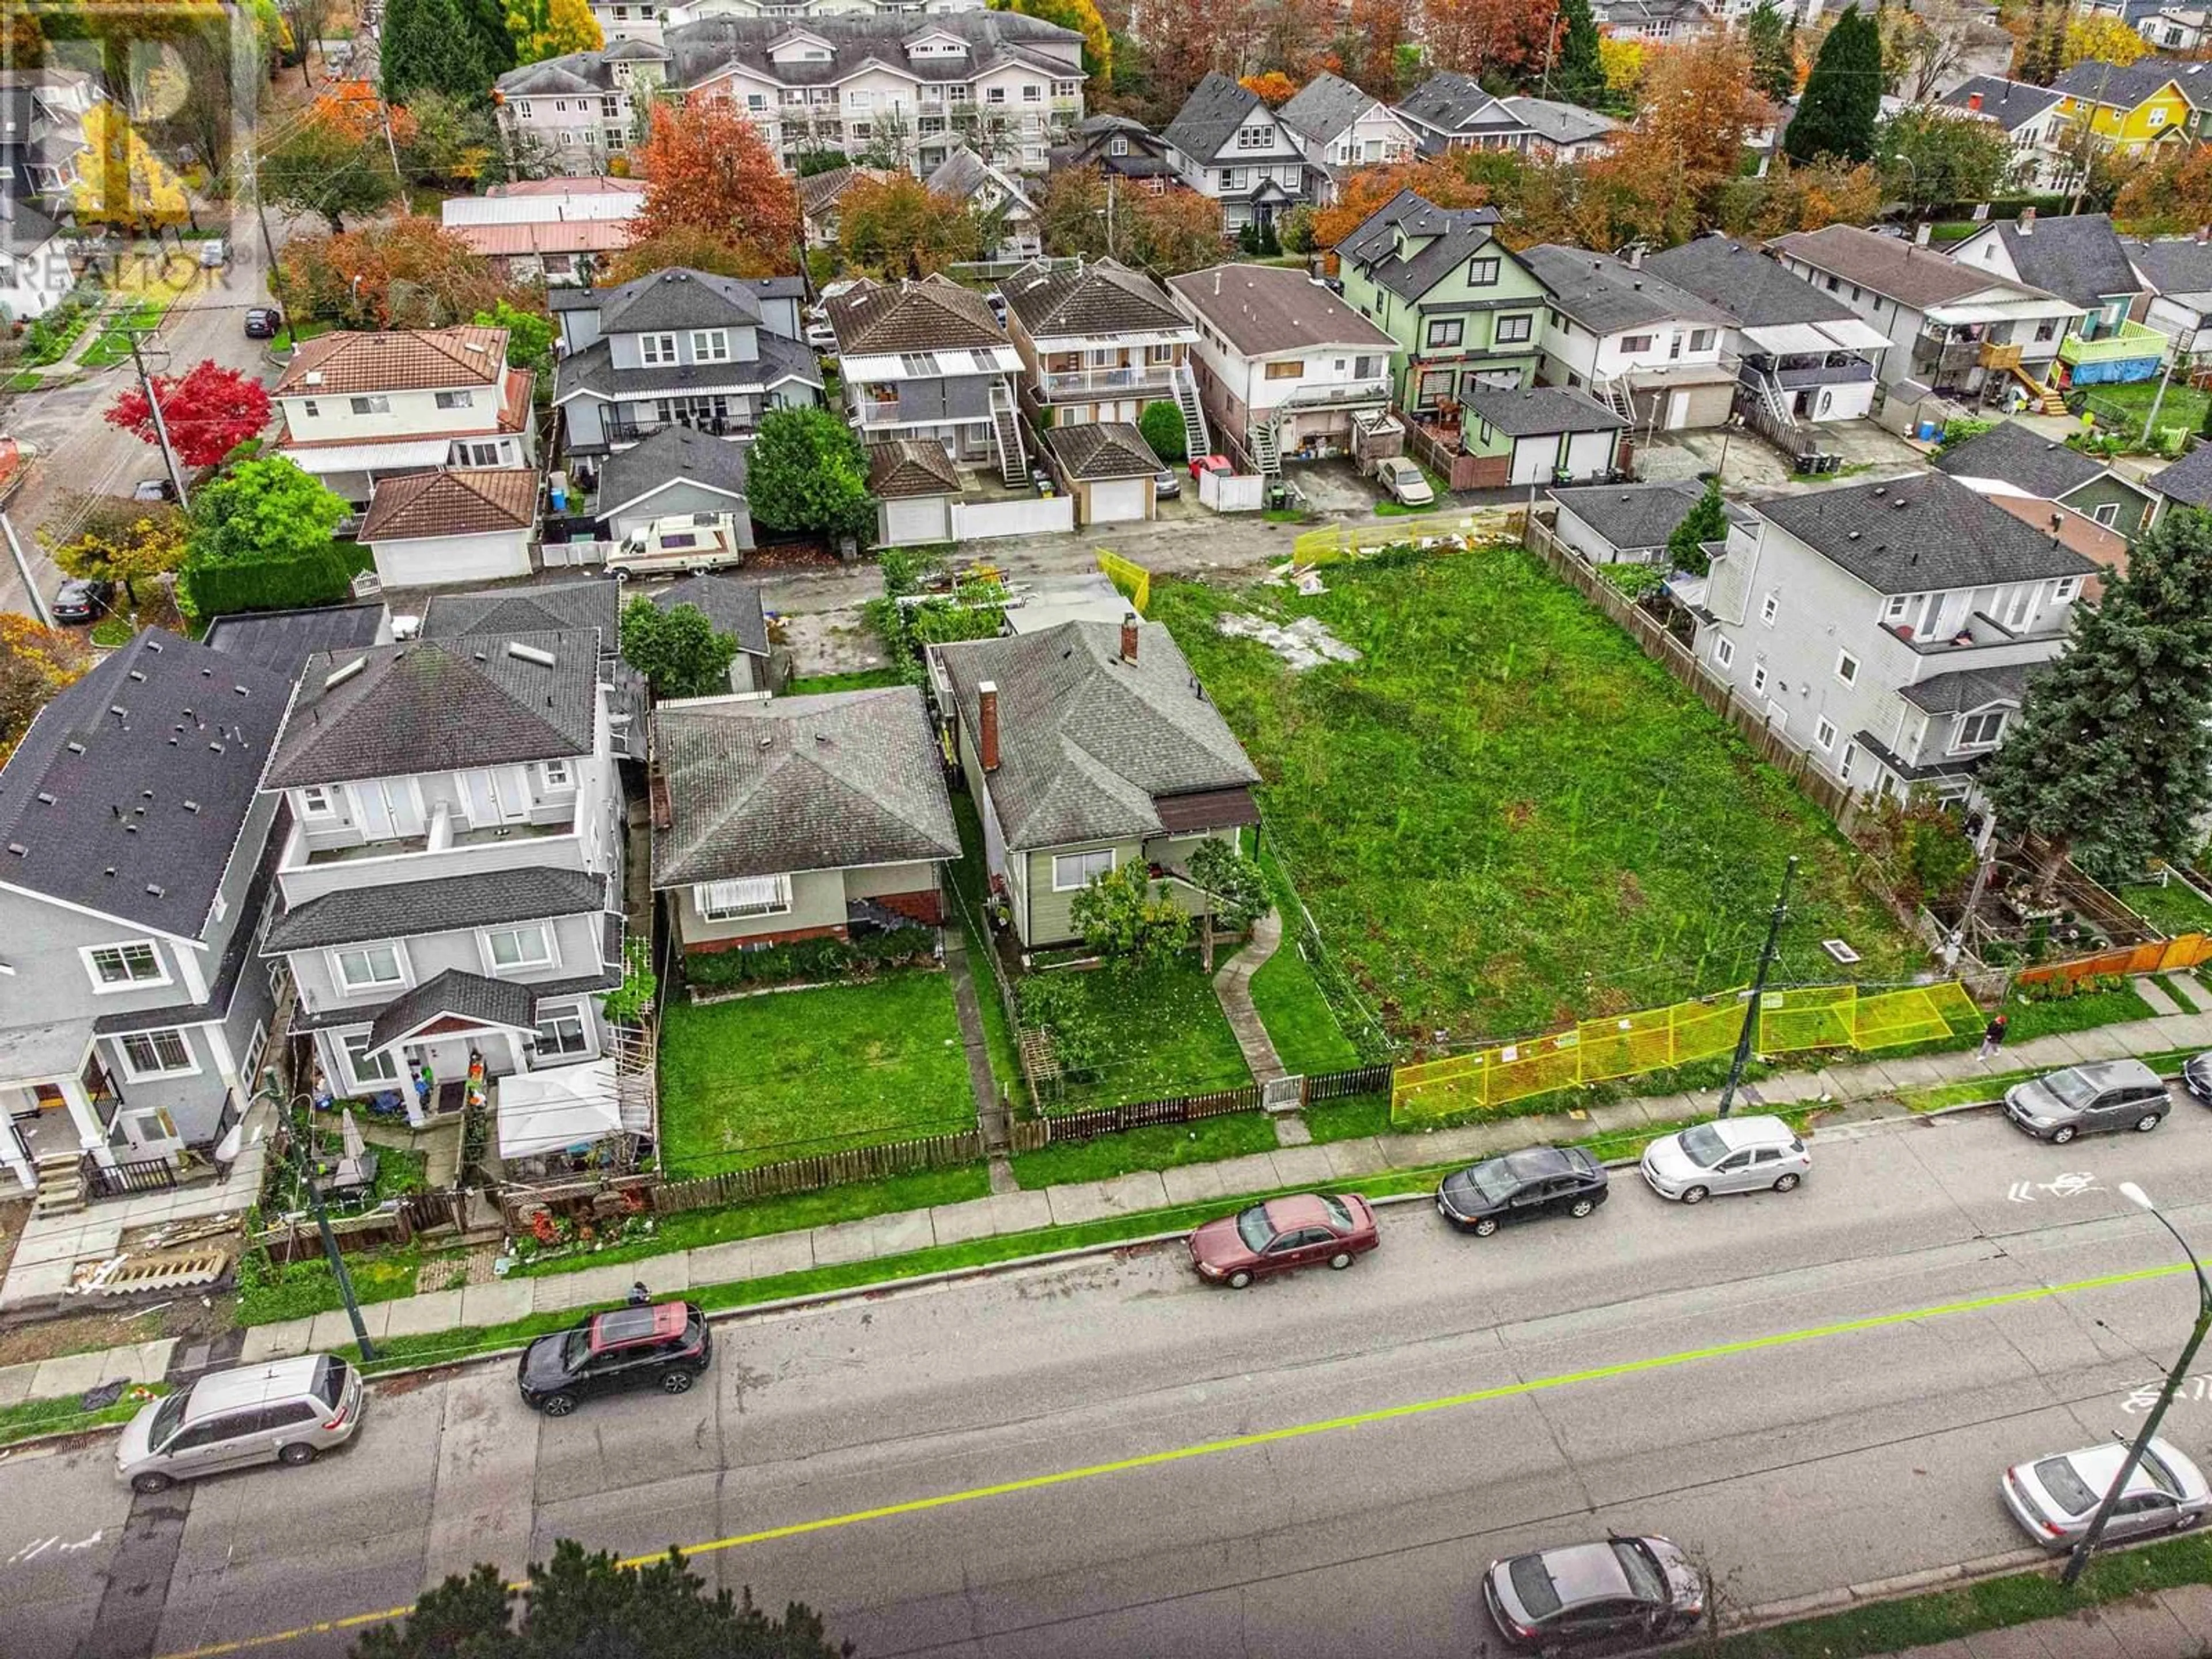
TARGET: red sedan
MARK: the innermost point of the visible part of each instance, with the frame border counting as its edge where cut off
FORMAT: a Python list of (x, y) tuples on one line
[(1302, 1230)]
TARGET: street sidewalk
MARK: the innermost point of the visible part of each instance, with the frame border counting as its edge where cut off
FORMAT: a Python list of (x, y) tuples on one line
[(2168, 1624), (882, 1237)]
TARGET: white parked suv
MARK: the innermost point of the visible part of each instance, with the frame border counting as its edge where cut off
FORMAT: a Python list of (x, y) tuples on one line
[(1728, 1155)]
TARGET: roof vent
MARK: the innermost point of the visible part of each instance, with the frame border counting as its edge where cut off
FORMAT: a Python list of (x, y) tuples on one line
[(1852, 537), (192, 806), (1900, 503), (137, 676), (154, 888), (338, 677), (522, 653), (154, 646), (45, 797), (75, 747), (23, 852)]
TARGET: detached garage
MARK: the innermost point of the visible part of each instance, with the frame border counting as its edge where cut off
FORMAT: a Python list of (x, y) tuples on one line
[(1541, 434), (429, 528), (1107, 470), (673, 473), (914, 482)]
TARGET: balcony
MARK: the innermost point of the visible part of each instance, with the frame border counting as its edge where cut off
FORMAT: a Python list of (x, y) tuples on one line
[(1351, 394), (1999, 355), (1983, 632), (621, 430), (1838, 369), (447, 847), (2133, 344), (1107, 382)]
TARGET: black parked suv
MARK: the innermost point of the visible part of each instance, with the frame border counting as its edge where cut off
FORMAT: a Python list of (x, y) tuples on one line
[(1538, 1181), (662, 1344)]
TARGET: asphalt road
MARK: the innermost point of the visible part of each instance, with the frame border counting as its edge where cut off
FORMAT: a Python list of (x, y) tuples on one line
[(1840, 1455)]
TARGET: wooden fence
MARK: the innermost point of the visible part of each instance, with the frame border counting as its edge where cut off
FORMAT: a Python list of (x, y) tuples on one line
[(1098, 1121), (2158, 956), (806, 1175)]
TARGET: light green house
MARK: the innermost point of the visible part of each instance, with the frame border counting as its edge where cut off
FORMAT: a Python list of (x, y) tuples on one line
[(1464, 311), (1087, 746)]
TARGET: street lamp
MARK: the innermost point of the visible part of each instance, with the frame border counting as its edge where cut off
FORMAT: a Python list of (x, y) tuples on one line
[(2080, 1559)]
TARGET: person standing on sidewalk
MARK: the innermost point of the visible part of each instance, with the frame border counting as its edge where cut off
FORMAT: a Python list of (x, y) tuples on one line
[(1993, 1036)]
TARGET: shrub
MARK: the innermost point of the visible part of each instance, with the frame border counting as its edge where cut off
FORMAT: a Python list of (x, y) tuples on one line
[(1060, 1003), (806, 959), (1162, 425), (212, 589)]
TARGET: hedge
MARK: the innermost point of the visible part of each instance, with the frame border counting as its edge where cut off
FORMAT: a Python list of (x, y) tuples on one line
[(212, 589), (807, 959)]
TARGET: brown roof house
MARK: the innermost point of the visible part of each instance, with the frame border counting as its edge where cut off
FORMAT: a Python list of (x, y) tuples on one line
[(927, 359), (1098, 343), (1087, 746), (798, 817), (427, 529), (915, 486), (1108, 468)]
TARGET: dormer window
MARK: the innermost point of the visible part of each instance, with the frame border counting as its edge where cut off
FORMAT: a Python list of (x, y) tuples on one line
[(1254, 137), (1117, 147), (1481, 273)]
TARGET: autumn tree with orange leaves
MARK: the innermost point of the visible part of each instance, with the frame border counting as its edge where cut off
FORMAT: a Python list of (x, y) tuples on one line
[(408, 272), (707, 169), (1444, 181), (35, 663), (1374, 33), (1489, 37), (1275, 88)]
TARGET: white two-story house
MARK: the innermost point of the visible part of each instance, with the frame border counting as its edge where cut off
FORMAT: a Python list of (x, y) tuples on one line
[(1097, 343), (678, 348), (927, 359), (1649, 349), (451, 882), (1888, 627), (1231, 148), (357, 407), (577, 112), (1339, 127)]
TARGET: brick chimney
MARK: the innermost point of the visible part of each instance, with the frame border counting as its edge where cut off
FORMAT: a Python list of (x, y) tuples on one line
[(1129, 636), (986, 724), (2028, 221), (1973, 100)]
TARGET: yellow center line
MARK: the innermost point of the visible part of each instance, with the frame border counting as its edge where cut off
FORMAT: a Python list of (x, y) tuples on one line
[(1275, 1436)]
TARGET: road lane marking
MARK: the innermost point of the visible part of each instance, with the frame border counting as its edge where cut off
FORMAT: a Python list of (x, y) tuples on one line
[(1277, 1437)]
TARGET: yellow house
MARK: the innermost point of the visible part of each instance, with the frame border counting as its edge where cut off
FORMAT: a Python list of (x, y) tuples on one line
[(2131, 107)]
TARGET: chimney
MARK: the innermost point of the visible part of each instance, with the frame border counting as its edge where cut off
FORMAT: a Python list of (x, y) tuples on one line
[(1973, 100), (1636, 257), (987, 722), (2028, 221), (1921, 231), (1129, 636)]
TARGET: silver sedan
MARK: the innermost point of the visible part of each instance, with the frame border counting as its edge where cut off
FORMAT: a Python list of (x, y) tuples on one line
[(2054, 1498), (1728, 1155)]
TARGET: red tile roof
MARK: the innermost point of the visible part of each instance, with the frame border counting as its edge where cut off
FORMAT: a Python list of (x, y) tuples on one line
[(427, 504), (401, 360)]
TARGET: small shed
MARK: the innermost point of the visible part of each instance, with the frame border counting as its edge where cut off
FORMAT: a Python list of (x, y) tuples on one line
[(1107, 470), (1539, 435), (914, 482), (430, 528)]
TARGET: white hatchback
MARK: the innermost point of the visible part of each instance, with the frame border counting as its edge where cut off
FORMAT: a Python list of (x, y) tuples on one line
[(1728, 1155)]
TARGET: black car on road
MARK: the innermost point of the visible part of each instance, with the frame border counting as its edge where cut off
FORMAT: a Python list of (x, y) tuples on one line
[(2196, 1077), (262, 322), (661, 1345), (1537, 1181), (80, 601)]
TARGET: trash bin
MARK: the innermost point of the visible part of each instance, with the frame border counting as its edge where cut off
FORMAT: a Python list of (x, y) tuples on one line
[(1929, 431)]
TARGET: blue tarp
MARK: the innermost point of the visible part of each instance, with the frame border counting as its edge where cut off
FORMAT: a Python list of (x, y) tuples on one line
[(2113, 373)]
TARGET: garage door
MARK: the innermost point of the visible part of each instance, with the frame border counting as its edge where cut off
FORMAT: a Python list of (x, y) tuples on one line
[(1590, 454), (1117, 499), (1533, 459), (913, 521)]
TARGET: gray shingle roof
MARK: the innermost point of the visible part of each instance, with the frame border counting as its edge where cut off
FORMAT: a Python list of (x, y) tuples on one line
[(2023, 458), (1087, 742), (1210, 117), (132, 787), (543, 610), (439, 706), (1896, 268), (1103, 449), (1922, 533), (1639, 516), (23, 230), (2121, 85), (1452, 102), (1264, 309), (1445, 238), (2078, 258), (482, 898), (1325, 106), (573, 72), (592, 369), (1531, 412), (672, 453), (2188, 480), (677, 298), (2011, 104), (734, 607), (2179, 265), (467, 996), (764, 788), (1605, 294), (281, 641), (1558, 123), (1104, 298), (1744, 283), (1967, 688)]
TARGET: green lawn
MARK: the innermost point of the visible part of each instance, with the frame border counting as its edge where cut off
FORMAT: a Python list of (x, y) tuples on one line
[(1505, 817), (1299, 1021), (760, 1078), (27, 1418), (970, 883), (860, 679), (2173, 906), (113, 345), (1168, 1034), (2124, 408), (2051, 1015), (1162, 1146)]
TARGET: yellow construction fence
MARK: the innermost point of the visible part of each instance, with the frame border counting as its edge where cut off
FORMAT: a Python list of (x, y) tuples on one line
[(1790, 1020), (1131, 581), (1466, 527)]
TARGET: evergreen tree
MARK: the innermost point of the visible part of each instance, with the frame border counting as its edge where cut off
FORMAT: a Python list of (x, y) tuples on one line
[(426, 44), (1579, 76), (1842, 95), (2111, 759), (487, 22), (1706, 522), (1771, 34)]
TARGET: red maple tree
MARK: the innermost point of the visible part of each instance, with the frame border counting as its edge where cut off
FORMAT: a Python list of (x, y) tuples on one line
[(706, 168), (1483, 37), (210, 411)]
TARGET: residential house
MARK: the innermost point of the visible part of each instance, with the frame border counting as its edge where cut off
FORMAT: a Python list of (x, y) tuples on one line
[(425, 529), (2128, 108), (1803, 357), (2017, 462), (1098, 343), (999, 201), (691, 11), (591, 604), (2186, 483), (1461, 307), (1552, 130), (282, 641), (553, 230), (678, 348), (43, 149), (671, 473), (1340, 128), (132, 877), (1648, 349), (819, 194), (1537, 435), (1283, 366), (1087, 746), (450, 880), (2029, 116), (1888, 629), (798, 817), (1955, 328), (1231, 149), (2176, 272), (631, 19), (734, 608), (34, 266), (356, 407), (1107, 468), (914, 484), (928, 359), (1629, 523), (1650, 21), (2177, 28), (577, 114), (1451, 111), (2080, 259), (1120, 148)]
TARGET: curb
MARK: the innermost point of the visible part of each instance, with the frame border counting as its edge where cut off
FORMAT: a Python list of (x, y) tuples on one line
[(1820, 1603)]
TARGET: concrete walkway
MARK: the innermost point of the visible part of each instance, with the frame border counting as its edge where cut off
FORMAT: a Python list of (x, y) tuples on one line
[(1232, 986), (886, 1236), (2170, 1624), (991, 1116)]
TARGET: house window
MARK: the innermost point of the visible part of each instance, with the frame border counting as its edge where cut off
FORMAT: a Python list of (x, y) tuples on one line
[(561, 1034), (860, 100), (527, 946), (1824, 733), (377, 405), (996, 95), (616, 138), (1897, 607), (1231, 178), (1117, 147), (2066, 588), (1513, 330), (657, 348), (557, 775), (2154, 117), (1632, 343), (1767, 608), (457, 400), (1724, 651), (135, 962), (1446, 332), (369, 1070), (1032, 93), (1847, 668), (1481, 273), (482, 454), (1851, 758), (1980, 731), (753, 895), (311, 409), (710, 345), (157, 1054), (1254, 137), (368, 967), (1759, 680), (2107, 514), (1701, 339), (757, 102), (2046, 331), (1366, 368), (1288, 371), (1436, 385), (1072, 871)]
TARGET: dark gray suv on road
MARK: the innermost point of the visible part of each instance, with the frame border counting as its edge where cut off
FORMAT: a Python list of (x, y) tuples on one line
[(2082, 1100)]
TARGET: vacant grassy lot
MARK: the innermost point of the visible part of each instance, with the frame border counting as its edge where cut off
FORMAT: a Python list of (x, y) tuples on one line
[(760, 1078), (1504, 816)]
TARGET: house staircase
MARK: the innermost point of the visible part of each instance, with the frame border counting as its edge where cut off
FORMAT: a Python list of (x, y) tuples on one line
[(61, 1184), (1766, 409), (1266, 452), (1196, 440), (1006, 436), (1614, 396), (2045, 400)]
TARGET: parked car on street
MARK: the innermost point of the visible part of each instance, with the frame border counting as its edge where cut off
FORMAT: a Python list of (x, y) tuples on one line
[(262, 322), (658, 1345), (2054, 1498), (283, 1410), (1522, 1186), (2196, 1077), (1304, 1230), (1728, 1155), (2081, 1100), (1633, 1589), (1403, 482), (80, 601)]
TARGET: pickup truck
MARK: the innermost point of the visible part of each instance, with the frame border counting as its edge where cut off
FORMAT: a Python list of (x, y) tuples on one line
[(682, 545)]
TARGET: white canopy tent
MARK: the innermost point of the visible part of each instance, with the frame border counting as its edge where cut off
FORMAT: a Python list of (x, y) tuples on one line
[(542, 1112)]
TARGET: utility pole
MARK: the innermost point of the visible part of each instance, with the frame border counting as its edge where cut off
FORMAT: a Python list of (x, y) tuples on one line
[(23, 569), (1750, 1031), (2166, 379), (2089, 137), (307, 1159), (1110, 214), (1953, 945), (160, 422)]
